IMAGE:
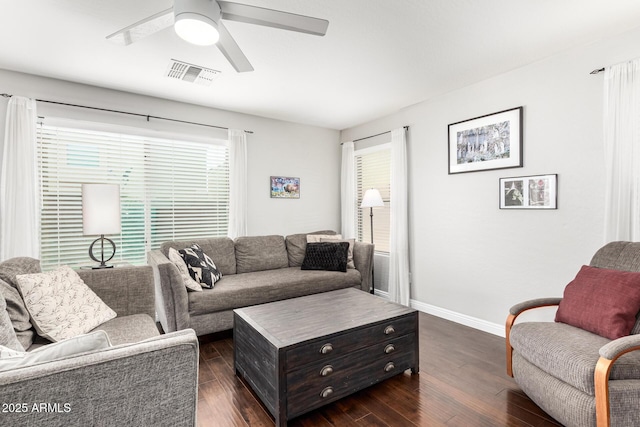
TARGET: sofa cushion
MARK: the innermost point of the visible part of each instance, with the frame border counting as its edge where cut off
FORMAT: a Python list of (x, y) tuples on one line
[(260, 287), (331, 256), (61, 305), (257, 253), (129, 329), (568, 353), (297, 245), (18, 312), (601, 301), (220, 249)]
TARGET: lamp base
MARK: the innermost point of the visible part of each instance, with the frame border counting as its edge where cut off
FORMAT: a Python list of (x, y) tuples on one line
[(102, 261), (100, 267)]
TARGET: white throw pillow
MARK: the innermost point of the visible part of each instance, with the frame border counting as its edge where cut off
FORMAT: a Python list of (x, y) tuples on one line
[(11, 359), (61, 305), (189, 283)]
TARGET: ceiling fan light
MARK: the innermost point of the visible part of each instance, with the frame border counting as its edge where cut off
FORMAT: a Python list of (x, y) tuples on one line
[(196, 29)]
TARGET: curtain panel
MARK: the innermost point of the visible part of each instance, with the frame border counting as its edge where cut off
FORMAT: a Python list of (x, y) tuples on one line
[(19, 182), (622, 151), (237, 183), (348, 191), (399, 287)]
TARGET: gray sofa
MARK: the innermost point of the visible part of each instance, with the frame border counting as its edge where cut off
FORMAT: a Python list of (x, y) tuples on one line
[(144, 379), (255, 270), (579, 378)]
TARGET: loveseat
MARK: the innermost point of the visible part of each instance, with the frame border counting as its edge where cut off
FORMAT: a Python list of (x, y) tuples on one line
[(143, 378), (572, 368), (255, 270)]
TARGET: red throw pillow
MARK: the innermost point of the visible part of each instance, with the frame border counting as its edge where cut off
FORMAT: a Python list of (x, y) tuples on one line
[(601, 301)]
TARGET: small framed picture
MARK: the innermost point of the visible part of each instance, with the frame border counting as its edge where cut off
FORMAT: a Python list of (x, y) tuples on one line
[(493, 141), (285, 187), (529, 192)]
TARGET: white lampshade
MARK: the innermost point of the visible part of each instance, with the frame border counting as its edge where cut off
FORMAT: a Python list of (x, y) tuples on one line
[(371, 199), (100, 209)]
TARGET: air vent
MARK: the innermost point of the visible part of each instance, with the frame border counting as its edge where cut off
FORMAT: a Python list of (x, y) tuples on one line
[(191, 73)]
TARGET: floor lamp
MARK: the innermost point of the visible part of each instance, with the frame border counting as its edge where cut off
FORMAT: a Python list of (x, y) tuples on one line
[(371, 199), (100, 216)]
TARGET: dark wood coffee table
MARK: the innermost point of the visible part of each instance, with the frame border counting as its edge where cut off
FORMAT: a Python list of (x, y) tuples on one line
[(302, 353)]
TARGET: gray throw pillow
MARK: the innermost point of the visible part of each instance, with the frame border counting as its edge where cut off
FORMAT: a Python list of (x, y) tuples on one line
[(8, 336), (18, 313)]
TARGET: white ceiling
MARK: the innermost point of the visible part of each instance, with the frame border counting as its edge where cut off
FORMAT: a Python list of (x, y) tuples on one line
[(378, 55)]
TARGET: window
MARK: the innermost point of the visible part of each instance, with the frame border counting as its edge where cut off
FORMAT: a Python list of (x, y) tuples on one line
[(169, 190), (373, 170)]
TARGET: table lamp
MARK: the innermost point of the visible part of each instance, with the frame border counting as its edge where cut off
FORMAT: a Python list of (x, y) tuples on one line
[(100, 216)]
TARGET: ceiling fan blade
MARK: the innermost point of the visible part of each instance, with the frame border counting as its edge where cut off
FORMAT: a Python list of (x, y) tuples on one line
[(143, 28), (231, 50), (273, 18)]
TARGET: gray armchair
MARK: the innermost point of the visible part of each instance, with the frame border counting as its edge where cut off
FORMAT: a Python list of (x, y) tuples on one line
[(144, 379), (579, 378)]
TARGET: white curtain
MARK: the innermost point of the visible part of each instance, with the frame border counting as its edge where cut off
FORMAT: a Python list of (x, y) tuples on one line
[(19, 183), (348, 191), (622, 151), (399, 234), (237, 183)]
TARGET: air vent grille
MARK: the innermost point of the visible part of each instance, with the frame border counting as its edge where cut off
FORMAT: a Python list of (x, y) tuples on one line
[(191, 73)]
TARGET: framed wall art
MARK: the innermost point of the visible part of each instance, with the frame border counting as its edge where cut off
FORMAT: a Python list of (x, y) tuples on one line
[(285, 187), (529, 192), (488, 142)]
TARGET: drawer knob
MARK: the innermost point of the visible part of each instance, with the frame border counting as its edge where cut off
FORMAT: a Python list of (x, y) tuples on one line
[(389, 367), (326, 349), (328, 391), (389, 330), (326, 371), (389, 349)]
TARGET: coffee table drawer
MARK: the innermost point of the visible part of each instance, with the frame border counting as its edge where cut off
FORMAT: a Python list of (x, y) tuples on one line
[(331, 347), (321, 373), (303, 397)]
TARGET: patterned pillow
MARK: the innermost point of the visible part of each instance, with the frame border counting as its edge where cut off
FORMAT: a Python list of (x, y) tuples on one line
[(189, 283), (61, 305), (326, 256), (201, 268)]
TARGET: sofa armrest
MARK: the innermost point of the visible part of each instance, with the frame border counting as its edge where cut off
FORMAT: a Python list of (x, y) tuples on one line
[(534, 303), (363, 260), (609, 353), (127, 290), (153, 382), (172, 302), (514, 312)]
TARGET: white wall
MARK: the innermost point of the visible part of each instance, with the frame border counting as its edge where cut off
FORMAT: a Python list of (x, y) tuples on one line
[(275, 147), (471, 261)]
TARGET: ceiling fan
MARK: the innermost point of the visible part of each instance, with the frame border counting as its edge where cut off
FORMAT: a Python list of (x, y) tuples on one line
[(200, 22)]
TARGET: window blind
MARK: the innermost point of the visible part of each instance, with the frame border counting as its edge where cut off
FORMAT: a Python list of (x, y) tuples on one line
[(169, 190), (373, 170)]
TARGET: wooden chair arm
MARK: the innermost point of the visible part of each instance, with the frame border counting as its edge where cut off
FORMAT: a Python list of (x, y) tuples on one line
[(514, 312), (608, 355)]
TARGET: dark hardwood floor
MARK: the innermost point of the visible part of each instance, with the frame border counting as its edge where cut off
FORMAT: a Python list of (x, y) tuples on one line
[(462, 382)]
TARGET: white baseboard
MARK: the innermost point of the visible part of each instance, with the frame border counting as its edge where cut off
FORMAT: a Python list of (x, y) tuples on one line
[(463, 319)]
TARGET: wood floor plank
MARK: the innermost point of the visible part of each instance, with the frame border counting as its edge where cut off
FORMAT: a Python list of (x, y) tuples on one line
[(462, 382)]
